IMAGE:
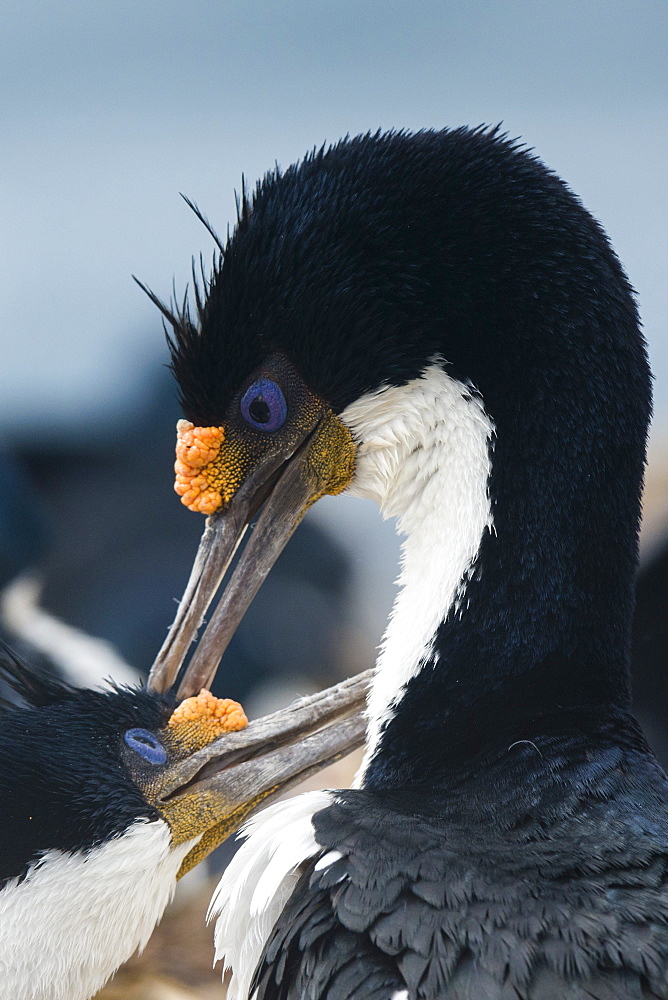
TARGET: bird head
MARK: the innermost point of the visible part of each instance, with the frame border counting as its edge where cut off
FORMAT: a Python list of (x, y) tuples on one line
[(82, 767), (433, 321), (306, 312), (110, 796)]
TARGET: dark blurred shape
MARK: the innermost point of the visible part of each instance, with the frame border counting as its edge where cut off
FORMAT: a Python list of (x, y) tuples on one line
[(123, 547), (650, 652), (24, 529), (24, 538)]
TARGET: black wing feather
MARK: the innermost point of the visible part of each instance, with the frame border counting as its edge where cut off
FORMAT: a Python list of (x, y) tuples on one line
[(420, 908)]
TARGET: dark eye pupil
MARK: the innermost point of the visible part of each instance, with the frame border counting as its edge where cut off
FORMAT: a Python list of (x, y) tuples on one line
[(259, 410), (263, 405)]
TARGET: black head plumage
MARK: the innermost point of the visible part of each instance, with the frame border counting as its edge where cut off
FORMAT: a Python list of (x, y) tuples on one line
[(63, 784), (371, 256)]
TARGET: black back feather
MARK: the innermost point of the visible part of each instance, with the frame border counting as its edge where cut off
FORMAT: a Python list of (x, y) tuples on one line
[(562, 895)]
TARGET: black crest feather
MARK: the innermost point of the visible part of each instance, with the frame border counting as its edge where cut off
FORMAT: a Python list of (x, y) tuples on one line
[(34, 686)]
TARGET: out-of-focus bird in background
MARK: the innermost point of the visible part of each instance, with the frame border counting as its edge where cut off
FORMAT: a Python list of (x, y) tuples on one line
[(434, 321)]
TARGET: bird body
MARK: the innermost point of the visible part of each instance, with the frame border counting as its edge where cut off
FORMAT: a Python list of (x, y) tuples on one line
[(468, 897), (445, 301)]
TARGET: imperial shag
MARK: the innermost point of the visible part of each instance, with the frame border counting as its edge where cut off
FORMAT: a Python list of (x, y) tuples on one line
[(435, 321), (109, 796)]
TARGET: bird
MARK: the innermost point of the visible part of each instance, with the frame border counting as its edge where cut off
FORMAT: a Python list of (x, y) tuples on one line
[(433, 320), (110, 796)]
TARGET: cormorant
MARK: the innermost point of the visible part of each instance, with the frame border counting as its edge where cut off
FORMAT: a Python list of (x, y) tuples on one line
[(108, 797), (434, 320)]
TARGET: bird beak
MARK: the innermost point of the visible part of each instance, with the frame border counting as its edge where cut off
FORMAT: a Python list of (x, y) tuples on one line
[(215, 789), (284, 485)]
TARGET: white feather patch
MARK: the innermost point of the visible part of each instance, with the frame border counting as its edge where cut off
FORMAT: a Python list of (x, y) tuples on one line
[(68, 925), (258, 882), (327, 859), (423, 456), (85, 660)]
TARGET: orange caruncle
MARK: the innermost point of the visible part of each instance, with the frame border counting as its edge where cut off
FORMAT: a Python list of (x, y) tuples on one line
[(227, 713), (203, 718), (197, 449)]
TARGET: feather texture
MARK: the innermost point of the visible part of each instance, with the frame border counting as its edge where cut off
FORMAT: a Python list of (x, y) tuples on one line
[(438, 908), (258, 882)]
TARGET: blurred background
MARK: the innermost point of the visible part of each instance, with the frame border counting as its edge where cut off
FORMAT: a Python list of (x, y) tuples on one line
[(108, 112)]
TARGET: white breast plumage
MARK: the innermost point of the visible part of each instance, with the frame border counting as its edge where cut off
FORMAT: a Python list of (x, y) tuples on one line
[(84, 914), (257, 884)]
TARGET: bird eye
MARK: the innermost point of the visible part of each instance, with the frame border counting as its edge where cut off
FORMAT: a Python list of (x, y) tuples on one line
[(146, 745), (263, 405)]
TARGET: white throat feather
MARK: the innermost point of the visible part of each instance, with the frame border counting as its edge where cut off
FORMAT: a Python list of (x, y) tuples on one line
[(424, 456)]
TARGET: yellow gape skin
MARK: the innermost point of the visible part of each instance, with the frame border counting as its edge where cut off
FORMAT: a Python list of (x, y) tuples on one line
[(195, 723)]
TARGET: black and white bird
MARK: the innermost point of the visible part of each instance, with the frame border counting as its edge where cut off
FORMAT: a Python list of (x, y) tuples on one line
[(434, 321), (109, 796)]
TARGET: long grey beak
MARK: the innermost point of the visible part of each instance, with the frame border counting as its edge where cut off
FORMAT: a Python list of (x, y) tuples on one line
[(217, 547), (241, 771), (285, 499)]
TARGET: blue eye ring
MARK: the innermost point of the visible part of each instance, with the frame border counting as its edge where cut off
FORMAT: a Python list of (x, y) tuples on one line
[(263, 405), (146, 745)]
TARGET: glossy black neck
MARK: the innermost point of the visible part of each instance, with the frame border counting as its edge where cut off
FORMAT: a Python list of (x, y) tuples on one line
[(543, 631), (524, 783)]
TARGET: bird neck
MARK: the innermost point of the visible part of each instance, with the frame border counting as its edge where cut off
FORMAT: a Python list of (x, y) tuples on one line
[(516, 582)]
